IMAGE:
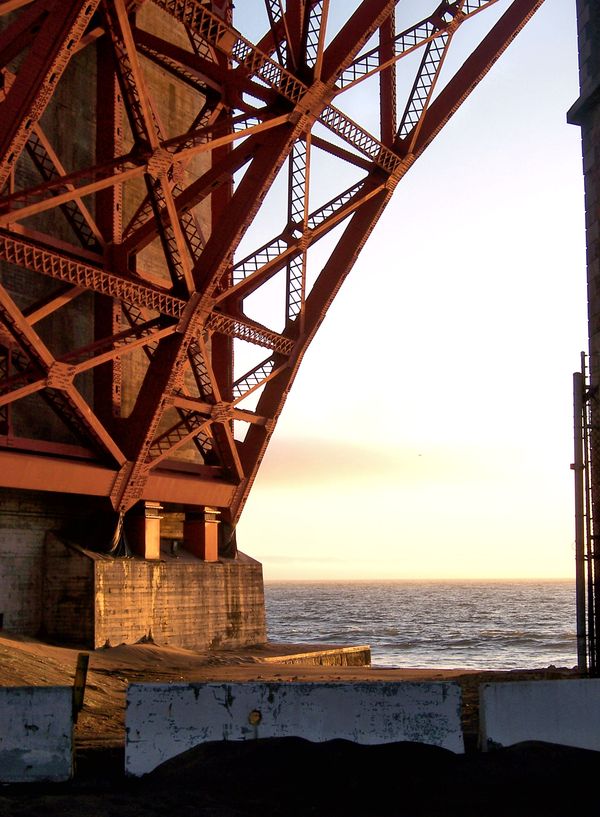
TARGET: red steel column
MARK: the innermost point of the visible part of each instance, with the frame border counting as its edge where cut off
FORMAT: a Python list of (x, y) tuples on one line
[(201, 534)]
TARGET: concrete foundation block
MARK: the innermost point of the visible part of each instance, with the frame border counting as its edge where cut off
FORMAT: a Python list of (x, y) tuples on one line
[(564, 712), (36, 734), (164, 721)]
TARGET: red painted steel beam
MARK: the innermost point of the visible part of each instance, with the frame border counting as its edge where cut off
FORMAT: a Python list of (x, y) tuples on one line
[(58, 379), (387, 82), (49, 166), (475, 68), (35, 201), (20, 32), (321, 296), (38, 75), (220, 173), (61, 296), (9, 6), (109, 209), (188, 194), (295, 14), (200, 72), (41, 259), (165, 372), (362, 224), (353, 36), (29, 471), (245, 203)]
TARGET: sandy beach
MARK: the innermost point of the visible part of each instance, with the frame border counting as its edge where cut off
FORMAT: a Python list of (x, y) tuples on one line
[(286, 776)]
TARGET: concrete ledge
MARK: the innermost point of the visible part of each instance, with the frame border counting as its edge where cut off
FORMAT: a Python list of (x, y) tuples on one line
[(164, 721), (36, 734), (330, 657), (565, 712)]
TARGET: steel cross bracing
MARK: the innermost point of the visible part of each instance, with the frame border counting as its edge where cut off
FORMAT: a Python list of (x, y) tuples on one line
[(147, 340)]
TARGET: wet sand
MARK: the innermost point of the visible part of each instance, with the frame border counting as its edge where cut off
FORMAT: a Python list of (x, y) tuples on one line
[(286, 776)]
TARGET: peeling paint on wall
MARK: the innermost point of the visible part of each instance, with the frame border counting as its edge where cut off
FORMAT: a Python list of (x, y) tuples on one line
[(164, 721), (564, 712), (36, 734)]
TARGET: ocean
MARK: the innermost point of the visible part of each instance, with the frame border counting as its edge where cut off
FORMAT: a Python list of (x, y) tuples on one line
[(470, 624)]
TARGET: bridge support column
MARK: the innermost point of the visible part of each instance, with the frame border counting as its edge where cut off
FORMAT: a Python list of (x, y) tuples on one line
[(201, 534), (143, 530)]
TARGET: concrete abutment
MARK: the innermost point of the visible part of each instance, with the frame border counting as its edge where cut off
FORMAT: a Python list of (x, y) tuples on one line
[(56, 577), (65, 592)]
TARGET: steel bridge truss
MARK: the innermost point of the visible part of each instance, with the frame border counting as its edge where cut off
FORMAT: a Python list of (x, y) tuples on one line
[(262, 112)]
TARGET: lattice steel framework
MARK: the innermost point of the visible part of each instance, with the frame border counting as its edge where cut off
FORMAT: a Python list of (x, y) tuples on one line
[(153, 221)]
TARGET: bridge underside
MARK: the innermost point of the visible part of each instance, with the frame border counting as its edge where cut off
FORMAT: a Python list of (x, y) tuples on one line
[(179, 206)]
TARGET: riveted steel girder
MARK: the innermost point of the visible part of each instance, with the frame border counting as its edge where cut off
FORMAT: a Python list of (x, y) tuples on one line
[(139, 147)]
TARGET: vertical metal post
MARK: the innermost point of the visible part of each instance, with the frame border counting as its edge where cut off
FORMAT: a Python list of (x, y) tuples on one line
[(593, 555), (79, 682), (578, 470), (589, 538)]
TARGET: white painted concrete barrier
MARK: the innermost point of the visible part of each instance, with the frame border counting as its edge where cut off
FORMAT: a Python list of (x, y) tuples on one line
[(36, 734), (565, 712), (164, 721)]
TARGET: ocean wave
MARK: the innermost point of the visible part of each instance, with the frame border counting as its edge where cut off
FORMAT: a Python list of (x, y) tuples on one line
[(471, 625)]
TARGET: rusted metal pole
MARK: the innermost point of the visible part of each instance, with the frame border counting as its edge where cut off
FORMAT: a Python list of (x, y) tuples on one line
[(79, 682), (578, 471)]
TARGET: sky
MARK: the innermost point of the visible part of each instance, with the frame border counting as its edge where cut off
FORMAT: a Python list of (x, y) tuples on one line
[(429, 432)]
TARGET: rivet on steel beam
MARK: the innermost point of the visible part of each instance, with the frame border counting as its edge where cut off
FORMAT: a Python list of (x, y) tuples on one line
[(159, 163), (60, 376), (221, 412)]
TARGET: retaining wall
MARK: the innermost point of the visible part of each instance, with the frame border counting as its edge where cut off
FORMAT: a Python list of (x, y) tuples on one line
[(36, 734), (164, 721), (564, 712)]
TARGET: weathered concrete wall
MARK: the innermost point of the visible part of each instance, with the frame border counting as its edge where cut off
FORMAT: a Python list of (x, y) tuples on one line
[(164, 721), (93, 599), (68, 610), (25, 517), (36, 734), (565, 712), (359, 656), (202, 605)]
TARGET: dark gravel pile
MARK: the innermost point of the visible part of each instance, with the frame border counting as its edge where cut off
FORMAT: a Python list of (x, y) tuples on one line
[(291, 777)]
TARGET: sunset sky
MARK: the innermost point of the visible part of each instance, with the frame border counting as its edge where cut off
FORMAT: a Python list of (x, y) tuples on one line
[(429, 432)]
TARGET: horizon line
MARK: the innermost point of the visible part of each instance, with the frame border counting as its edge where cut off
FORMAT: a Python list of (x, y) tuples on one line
[(429, 579)]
